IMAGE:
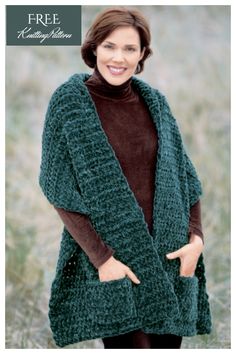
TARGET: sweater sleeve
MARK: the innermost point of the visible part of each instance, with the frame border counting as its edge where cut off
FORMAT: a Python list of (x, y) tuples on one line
[(98, 252), (195, 224), (81, 229)]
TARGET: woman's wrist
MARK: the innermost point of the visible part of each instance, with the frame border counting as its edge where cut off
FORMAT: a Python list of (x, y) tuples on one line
[(197, 241), (109, 260)]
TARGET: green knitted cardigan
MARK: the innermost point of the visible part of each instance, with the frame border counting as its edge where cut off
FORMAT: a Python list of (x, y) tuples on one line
[(80, 172)]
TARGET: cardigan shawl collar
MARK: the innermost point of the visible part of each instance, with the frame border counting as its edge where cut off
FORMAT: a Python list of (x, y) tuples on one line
[(80, 172)]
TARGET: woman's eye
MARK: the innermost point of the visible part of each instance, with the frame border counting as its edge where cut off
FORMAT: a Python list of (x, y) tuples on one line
[(131, 49), (108, 46), (128, 49)]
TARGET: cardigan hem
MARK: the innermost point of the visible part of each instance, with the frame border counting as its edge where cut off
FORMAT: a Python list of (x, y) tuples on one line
[(187, 330)]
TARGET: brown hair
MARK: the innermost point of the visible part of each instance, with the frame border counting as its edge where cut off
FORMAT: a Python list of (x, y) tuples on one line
[(109, 20)]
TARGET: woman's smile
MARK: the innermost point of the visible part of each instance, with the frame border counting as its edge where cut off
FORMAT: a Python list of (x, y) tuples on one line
[(114, 70)]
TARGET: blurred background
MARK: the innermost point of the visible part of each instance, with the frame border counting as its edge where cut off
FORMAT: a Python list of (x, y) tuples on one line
[(191, 66)]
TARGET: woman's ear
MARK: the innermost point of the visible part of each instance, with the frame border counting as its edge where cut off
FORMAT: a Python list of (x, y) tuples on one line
[(142, 53)]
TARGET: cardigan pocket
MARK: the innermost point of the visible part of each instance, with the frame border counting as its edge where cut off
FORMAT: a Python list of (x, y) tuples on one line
[(187, 292), (110, 301)]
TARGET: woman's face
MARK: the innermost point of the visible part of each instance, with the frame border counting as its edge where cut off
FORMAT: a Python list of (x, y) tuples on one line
[(118, 55)]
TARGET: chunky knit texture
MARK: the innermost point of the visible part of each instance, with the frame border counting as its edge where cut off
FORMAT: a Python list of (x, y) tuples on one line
[(80, 172)]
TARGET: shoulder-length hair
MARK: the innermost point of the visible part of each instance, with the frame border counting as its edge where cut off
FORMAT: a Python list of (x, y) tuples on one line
[(109, 20)]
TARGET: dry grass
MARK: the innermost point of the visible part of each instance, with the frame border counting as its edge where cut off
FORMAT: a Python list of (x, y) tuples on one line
[(191, 66)]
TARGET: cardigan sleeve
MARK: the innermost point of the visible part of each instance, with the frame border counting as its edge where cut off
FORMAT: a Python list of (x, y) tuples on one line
[(81, 229), (92, 244)]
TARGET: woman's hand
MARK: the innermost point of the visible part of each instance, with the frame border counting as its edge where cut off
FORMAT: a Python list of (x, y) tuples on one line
[(113, 269), (188, 255)]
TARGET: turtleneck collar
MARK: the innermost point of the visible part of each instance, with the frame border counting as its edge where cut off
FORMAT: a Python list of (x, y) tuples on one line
[(99, 86)]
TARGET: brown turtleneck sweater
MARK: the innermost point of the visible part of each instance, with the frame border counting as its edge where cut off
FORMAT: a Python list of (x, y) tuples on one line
[(134, 139)]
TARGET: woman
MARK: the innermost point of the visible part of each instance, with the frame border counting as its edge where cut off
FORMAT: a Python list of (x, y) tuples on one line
[(130, 268)]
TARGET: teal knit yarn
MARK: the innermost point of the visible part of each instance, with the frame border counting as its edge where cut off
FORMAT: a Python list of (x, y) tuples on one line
[(80, 172)]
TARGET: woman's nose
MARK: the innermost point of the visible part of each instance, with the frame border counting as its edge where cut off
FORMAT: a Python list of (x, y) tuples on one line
[(118, 55)]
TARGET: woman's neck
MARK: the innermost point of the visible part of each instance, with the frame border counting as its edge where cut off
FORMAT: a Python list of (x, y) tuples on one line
[(99, 86)]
